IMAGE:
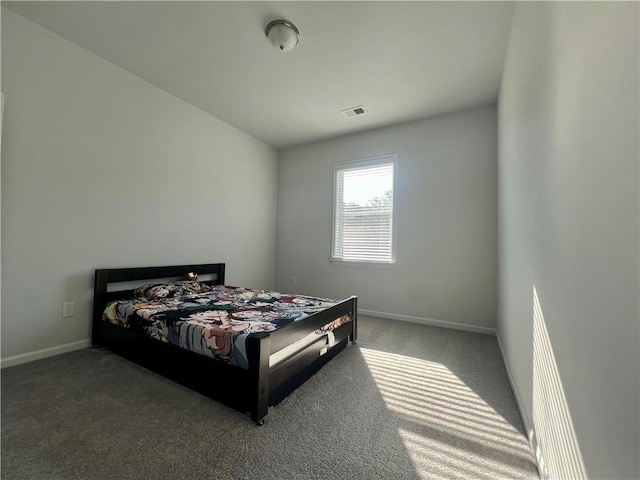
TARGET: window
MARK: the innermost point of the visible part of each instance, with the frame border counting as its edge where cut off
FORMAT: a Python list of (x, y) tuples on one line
[(363, 211)]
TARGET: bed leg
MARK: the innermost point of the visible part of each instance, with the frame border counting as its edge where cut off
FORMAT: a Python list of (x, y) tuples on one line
[(259, 350)]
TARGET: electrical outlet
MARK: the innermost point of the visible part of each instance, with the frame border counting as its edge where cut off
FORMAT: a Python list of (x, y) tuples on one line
[(294, 280), (68, 309)]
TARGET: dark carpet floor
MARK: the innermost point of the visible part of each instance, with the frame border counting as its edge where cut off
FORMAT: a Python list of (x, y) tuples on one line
[(408, 401)]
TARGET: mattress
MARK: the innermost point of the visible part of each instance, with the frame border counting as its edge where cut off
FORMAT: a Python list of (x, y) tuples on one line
[(217, 323)]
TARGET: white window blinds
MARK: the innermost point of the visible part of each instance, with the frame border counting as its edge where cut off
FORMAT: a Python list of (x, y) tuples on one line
[(363, 211)]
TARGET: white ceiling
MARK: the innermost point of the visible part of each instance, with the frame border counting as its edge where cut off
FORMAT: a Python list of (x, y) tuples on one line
[(401, 60)]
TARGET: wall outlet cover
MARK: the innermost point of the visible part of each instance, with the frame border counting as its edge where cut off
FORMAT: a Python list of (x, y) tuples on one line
[(68, 309)]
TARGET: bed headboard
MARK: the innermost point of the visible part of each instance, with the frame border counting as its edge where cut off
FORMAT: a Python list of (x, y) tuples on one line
[(105, 277)]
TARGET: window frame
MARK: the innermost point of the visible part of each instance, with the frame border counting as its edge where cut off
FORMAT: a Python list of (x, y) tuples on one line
[(391, 158)]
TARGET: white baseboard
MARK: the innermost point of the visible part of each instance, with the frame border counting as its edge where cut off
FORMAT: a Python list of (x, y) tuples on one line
[(430, 321), (528, 425), (44, 353)]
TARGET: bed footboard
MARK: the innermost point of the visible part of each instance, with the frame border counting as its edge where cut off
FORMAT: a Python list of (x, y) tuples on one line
[(285, 377)]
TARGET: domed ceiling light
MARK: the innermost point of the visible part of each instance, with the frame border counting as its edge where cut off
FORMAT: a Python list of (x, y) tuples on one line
[(282, 34)]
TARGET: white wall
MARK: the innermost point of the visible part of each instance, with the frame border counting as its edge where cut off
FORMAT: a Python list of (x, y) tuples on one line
[(568, 216), (101, 169), (447, 212)]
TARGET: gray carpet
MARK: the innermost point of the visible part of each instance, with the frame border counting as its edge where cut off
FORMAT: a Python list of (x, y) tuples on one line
[(408, 401)]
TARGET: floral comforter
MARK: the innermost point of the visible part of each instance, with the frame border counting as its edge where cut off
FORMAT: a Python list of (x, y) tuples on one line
[(216, 323)]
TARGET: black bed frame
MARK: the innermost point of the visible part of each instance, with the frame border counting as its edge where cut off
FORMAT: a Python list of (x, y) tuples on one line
[(252, 390)]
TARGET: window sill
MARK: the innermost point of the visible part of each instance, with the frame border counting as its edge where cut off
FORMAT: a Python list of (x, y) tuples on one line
[(349, 263)]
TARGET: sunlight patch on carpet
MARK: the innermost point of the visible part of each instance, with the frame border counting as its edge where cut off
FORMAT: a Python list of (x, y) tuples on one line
[(448, 430)]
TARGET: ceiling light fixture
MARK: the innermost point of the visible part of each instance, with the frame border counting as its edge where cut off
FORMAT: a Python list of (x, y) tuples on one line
[(282, 34)]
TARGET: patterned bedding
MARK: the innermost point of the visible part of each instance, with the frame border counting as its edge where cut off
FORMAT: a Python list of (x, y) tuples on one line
[(216, 323)]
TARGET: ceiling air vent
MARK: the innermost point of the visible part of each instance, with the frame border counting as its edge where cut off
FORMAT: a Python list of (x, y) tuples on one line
[(354, 111)]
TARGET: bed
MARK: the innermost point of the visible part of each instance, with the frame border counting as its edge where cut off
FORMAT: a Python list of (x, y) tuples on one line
[(242, 355)]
